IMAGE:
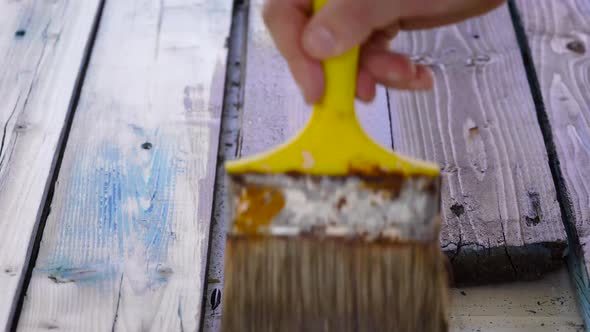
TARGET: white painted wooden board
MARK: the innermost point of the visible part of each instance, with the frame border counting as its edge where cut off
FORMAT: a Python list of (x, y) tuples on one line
[(502, 220), (125, 243), (558, 35), (42, 49)]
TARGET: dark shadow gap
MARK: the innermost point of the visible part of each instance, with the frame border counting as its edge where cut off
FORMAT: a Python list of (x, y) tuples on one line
[(390, 119), (37, 234), (228, 148), (575, 260)]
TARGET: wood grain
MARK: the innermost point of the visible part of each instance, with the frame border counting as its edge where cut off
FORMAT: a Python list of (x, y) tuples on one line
[(125, 244), (42, 48), (274, 109), (501, 217), (559, 41)]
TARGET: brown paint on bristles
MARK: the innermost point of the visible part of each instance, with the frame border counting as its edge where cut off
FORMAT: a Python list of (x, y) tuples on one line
[(313, 282)]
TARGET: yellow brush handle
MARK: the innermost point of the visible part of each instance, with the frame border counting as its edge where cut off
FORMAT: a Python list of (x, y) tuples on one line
[(340, 80), (333, 142)]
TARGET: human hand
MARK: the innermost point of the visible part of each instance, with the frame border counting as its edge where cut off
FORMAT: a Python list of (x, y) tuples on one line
[(304, 40)]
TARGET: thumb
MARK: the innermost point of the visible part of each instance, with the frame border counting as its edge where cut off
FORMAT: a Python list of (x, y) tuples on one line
[(343, 24)]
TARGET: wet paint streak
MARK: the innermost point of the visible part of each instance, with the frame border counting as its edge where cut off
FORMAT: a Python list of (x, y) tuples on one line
[(119, 208)]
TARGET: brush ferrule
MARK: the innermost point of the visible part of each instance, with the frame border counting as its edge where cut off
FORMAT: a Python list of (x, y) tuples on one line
[(380, 208)]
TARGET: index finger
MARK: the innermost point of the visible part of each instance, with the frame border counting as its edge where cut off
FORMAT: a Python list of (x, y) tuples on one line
[(286, 20)]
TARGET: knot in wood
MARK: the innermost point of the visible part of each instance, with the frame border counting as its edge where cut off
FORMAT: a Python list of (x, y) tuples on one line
[(477, 60), (423, 59), (576, 46), (21, 127)]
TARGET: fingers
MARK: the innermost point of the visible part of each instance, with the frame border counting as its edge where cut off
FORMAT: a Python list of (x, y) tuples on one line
[(395, 70), (286, 20), (343, 24), (446, 12), (366, 87)]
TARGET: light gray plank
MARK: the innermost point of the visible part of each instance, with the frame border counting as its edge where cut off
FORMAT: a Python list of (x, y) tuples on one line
[(274, 109), (501, 217), (125, 245), (42, 49), (559, 39)]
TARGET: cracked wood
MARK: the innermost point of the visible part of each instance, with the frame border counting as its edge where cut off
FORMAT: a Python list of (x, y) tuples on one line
[(559, 39), (501, 218), (125, 244), (42, 50)]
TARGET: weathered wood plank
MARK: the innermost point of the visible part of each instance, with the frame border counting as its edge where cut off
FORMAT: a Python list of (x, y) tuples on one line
[(501, 217), (558, 40), (42, 50), (125, 244), (274, 109)]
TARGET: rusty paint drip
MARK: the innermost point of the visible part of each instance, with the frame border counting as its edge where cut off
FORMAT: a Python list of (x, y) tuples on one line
[(256, 208)]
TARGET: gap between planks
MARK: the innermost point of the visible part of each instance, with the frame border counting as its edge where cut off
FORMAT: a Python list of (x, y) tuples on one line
[(554, 38), (228, 149)]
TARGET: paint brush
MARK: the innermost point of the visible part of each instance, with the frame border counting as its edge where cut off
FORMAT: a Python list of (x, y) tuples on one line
[(333, 232)]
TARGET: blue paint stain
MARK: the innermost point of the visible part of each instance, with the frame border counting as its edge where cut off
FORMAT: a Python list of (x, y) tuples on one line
[(81, 274), (100, 220)]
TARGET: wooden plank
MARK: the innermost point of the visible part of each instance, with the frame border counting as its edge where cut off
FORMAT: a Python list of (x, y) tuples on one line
[(274, 109), (125, 245), (546, 305), (42, 49), (501, 217), (559, 41)]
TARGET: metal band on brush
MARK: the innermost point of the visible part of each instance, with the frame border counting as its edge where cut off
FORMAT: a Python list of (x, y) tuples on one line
[(373, 208)]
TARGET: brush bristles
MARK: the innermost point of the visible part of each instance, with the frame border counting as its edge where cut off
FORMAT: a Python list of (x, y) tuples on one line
[(307, 284)]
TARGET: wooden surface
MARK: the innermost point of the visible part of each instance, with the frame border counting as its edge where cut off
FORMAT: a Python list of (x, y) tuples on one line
[(558, 35), (126, 240), (501, 217), (546, 305), (42, 49), (125, 243)]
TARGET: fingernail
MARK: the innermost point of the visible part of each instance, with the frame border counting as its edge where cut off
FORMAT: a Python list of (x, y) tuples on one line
[(320, 42), (413, 68), (423, 79), (420, 84), (306, 97), (393, 76)]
